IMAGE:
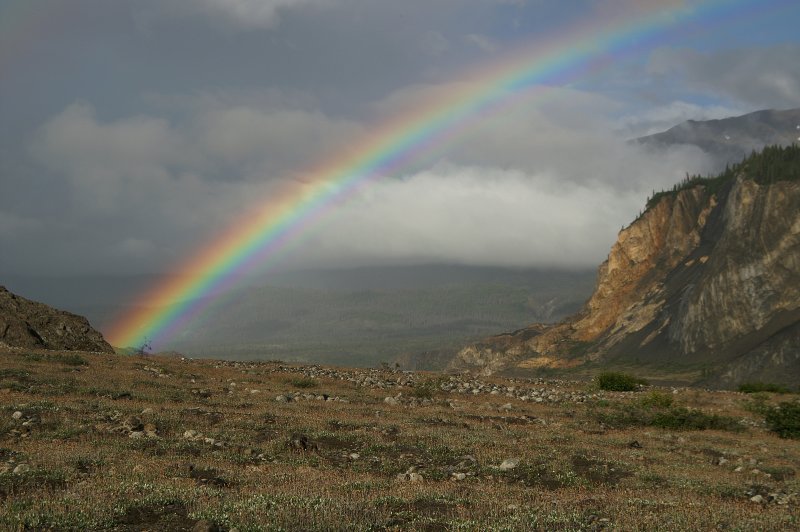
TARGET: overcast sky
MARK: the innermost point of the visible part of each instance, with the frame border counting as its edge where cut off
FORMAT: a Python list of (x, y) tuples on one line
[(132, 132)]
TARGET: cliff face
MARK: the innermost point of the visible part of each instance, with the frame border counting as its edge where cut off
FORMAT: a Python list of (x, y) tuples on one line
[(702, 277), (25, 323), (751, 282)]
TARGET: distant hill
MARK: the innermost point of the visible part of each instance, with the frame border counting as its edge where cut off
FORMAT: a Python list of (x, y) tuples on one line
[(705, 283), (409, 321), (729, 140), (419, 315), (25, 323)]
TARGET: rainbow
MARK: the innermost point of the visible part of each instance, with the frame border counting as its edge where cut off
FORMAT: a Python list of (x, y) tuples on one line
[(261, 235)]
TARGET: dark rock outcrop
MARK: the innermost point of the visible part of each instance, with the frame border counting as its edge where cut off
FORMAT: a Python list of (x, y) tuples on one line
[(708, 276), (25, 323)]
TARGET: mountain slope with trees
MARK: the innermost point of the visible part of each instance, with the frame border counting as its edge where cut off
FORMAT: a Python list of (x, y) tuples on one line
[(706, 283)]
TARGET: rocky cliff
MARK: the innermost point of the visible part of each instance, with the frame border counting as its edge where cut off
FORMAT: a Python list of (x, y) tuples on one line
[(25, 323), (708, 276)]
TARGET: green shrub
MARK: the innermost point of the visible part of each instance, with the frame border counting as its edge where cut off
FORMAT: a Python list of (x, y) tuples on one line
[(682, 418), (303, 382), (755, 387), (426, 389), (675, 418), (784, 419), (73, 360), (618, 382), (68, 359), (757, 404), (422, 392), (657, 400)]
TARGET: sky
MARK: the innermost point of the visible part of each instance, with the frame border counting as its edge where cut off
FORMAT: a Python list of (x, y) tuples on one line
[(133, 133)]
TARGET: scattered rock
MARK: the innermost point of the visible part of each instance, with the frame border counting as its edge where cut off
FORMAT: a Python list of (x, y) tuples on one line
[(508, 464), (301, 442), (205, 526), (21, 469), (133, 424), (208, 476), (16, 415)]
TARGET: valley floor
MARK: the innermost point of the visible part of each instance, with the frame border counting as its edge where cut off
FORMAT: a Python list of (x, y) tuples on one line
[(104, 442)]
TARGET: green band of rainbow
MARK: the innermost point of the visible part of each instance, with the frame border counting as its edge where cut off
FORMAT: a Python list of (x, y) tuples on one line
[(282, 217)]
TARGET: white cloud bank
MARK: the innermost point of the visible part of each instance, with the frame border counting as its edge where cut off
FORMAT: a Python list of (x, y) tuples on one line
[(474, 215), (544, 183), (767, 77)]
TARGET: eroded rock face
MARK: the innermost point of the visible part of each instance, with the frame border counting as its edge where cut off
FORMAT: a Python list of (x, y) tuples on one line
[(498, 352), (636, 265), (752, 276), (25, 323), (698, 278)]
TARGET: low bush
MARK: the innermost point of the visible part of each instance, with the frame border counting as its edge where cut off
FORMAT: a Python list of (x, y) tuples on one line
[(673, 418), (618, 382), (784, 419), (303, 382), (426, 389), (73, 360), (682, 418), (755, 387), (657, 400)]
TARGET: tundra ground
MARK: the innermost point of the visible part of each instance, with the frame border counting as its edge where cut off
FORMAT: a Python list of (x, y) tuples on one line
[(103, 442)]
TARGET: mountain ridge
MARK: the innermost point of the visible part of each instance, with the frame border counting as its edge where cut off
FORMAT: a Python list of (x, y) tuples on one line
[(728, 140)]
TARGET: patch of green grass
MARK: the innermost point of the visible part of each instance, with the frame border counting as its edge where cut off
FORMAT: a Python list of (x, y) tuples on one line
[(755, 387), (618, 382), (657, 400), (428, 388), (33, 479), (303, 382), (681, 418), (784, 419), (71, 359), (779, 473), (673, 418), (13, 373)]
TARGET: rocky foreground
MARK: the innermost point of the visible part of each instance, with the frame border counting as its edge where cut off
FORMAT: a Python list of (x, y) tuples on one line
[(102, 442)]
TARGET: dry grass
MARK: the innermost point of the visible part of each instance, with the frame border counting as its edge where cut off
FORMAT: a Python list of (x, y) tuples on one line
[(254, 463)]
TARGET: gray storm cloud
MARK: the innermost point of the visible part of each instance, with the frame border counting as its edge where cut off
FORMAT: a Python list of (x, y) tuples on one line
[(544, 183), (246, 14), (135, 132), (766, 77)]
